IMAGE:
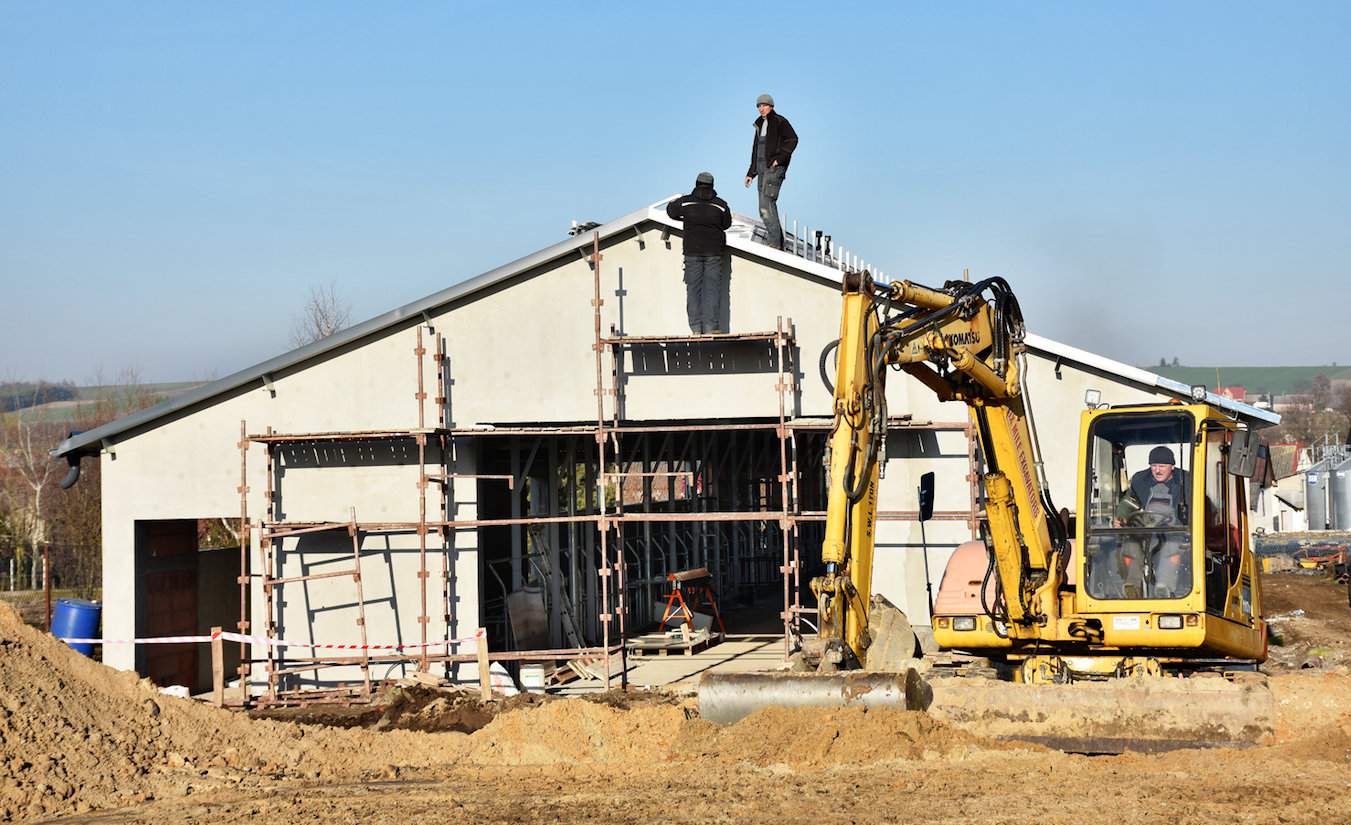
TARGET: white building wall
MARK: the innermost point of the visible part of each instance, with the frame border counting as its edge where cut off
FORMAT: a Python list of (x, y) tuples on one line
[(189, 467)]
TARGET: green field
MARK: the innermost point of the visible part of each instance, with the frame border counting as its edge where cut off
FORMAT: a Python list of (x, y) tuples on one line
[(87, 397), (1274, 380)]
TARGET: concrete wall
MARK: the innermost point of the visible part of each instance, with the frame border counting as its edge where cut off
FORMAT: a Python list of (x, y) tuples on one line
[(522, 353)]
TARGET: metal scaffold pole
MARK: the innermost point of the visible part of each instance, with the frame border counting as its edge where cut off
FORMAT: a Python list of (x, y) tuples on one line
[(421, 397), (603, 523), (243, 625)]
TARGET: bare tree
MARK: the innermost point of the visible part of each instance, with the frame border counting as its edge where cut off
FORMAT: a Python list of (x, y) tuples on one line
[(322, 315), (27, 473), (1322, 392)]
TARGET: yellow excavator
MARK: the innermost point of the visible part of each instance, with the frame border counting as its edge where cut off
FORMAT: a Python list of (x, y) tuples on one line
[(1136, 625)]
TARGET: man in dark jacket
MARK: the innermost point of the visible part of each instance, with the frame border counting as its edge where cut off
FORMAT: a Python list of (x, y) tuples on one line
[(1157, 498), (771, 149), (706, 218)]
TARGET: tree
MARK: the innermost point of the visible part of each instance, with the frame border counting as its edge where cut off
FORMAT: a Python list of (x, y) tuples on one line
[(34, 512), (322, 315), (27, 473), (1322, 392)]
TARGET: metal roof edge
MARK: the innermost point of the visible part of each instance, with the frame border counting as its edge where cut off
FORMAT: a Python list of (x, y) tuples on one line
[(1147, 378), (87, 442)]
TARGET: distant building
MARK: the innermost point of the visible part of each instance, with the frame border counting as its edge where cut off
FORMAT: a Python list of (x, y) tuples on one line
[(1291, 401)]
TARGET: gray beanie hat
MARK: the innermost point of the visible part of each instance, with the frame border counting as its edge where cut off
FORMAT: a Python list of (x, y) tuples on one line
[(1161, 455), (704, 179), (764, 99)]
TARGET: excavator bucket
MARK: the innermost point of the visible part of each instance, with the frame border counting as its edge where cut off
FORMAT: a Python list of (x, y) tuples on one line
[(726, 697), (891, 678), (1113, 716)]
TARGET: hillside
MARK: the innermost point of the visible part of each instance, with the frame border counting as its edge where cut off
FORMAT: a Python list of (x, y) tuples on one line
[(1274, 380), (86, 398)]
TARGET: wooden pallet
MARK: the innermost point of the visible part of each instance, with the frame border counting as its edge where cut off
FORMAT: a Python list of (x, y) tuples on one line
[(661, 644)]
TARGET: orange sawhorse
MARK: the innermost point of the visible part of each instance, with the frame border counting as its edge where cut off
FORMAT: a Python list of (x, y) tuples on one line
[(697, 585)]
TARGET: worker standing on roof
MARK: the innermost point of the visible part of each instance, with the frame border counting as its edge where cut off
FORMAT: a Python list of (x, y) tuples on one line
[(706, 217), (771, 150)]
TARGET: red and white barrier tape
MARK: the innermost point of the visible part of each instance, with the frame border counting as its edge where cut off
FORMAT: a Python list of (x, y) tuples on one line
[(264, 640)]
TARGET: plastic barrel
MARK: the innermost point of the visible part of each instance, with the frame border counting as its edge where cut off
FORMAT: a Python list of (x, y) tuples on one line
[(76, 619)]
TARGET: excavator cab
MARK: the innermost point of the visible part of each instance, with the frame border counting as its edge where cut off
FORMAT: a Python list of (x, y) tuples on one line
[(1138, 507), (1165, 561)]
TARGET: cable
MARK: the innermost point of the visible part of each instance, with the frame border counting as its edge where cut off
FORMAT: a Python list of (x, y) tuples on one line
[(825, 355)]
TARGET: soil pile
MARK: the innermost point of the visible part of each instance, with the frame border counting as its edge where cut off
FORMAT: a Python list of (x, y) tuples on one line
[(598, 733), (573, 732), (1314, 709), (812, 738), (76, 735)]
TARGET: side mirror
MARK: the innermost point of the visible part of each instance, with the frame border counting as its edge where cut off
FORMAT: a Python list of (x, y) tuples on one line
[(1243, 453), (926, 496)]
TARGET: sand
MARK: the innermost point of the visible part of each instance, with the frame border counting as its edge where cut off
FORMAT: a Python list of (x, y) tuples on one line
[(78, 739)]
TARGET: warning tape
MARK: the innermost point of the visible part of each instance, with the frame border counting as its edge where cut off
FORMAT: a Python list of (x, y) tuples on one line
[(264, 640)]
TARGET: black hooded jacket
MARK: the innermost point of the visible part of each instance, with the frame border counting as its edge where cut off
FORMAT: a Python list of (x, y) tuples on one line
[(780, 141), (706, 218)]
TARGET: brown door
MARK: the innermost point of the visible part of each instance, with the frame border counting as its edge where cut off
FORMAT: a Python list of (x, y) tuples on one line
[(167, 585)]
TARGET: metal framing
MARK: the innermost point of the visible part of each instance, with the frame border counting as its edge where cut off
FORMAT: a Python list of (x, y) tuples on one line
[(740, 511)]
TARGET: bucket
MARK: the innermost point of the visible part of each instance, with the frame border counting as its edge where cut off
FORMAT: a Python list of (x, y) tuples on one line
[(76, 619)]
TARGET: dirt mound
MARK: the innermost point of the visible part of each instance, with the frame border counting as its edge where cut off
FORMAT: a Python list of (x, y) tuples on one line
[(653, 732), (811, 738), (434, 710), (76, 735), (570, 732), (1313, 711)]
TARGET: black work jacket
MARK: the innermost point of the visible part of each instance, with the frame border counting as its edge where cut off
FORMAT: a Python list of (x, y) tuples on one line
[(706, 218), (780, 141)]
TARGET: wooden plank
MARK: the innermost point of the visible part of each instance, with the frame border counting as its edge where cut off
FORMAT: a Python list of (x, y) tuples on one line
[(217, 668), (485, 682)]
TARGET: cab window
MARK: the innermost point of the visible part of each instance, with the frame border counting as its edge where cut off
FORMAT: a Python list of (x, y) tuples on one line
[(1223, 520), (1138, 506)]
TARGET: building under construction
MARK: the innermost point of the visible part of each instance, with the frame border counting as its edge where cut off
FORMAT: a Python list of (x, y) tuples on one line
[(535, 451)]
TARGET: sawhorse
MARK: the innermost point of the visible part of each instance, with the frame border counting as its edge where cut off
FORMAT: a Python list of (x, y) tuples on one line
[(691, 589)]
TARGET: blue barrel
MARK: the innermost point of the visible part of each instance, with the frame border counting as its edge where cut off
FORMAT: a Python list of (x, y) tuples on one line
[(76, 619)]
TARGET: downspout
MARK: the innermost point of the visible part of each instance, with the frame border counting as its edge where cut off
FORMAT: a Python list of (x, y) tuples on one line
[(73, 474)]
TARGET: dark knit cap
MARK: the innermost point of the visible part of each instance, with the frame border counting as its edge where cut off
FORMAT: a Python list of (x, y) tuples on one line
[(1161, 455), (704, 179)]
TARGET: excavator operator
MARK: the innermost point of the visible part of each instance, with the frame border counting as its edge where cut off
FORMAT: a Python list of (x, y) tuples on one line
[(1156, 498)]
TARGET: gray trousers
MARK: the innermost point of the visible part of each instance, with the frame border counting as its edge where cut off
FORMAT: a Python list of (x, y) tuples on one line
[(770, 181), (704, 288)]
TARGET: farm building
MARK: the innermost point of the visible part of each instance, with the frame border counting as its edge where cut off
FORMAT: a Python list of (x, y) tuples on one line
[(534, 451)]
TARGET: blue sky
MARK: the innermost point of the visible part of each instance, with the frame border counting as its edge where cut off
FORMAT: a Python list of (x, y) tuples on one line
[(1155, 180)]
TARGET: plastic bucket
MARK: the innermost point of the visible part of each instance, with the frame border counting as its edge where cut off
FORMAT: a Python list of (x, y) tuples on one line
[(76, 619)]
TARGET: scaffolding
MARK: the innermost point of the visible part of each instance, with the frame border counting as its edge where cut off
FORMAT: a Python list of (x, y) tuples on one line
[(606, 523)]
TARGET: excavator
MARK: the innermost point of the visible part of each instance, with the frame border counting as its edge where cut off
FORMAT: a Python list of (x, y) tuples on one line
[(1134, 626)]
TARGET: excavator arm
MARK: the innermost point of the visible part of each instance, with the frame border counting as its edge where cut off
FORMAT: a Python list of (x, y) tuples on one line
[(964, 342)]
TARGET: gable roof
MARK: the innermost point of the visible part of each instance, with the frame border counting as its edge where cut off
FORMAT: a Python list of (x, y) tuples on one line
[(740, 238)]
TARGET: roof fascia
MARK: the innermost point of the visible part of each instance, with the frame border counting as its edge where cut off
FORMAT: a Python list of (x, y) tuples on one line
[(1149, 379)]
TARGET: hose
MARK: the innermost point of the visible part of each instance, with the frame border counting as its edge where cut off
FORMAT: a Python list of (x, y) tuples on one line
[(825, 374)]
